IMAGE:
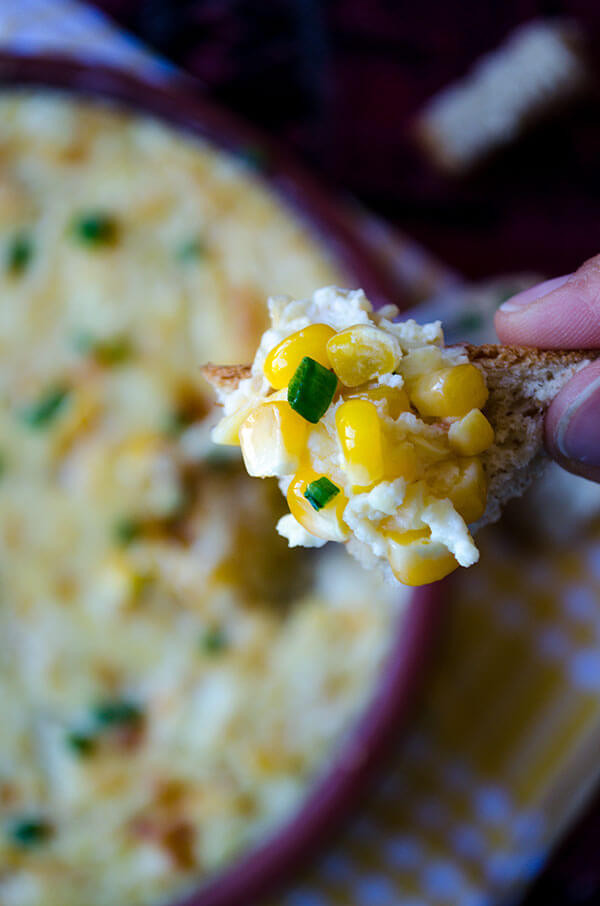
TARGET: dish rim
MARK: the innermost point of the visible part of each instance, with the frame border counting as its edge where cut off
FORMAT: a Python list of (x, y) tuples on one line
[(176, 101)]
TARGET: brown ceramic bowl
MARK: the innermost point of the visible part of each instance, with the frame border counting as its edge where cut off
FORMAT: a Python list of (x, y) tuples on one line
[(331, 799)]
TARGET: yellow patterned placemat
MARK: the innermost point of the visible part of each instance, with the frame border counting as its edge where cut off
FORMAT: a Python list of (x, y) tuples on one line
[(503, 750), (504, 747)]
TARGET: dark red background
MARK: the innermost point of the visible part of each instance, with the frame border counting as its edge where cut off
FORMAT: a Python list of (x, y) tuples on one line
[(340, 82)]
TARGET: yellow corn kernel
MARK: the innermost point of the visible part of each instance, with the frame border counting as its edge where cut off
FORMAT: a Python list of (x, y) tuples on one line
[(464, 483), (469, 493), (324, 523), (78, 420), (361, 353), (431, 449), (118, 585), (449, 391), (282, 362), (273, 438), (419, 561), (227, 431), (471, 434), (395, 398), (408, 536), (359, 431), (421, 361), (137, 459), (400, 460)]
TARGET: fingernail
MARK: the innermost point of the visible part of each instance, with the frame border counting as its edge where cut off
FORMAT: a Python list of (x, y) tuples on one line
[(578, 431), (516, 303)]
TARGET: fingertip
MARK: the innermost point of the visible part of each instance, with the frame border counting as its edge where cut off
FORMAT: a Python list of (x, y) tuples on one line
[(562, 312), (532, 294), (516, 320)]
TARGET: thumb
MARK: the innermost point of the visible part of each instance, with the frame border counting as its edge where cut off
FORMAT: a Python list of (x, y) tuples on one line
[(572, 426), (563, 313)]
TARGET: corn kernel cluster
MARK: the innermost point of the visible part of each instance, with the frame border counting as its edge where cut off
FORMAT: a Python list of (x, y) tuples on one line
[(425, 427)]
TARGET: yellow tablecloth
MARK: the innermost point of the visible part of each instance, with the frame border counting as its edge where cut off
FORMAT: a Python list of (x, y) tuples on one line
[(504, 748)]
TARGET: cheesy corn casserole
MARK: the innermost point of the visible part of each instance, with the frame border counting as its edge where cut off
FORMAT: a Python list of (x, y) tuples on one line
[(172, 678), (373, 428)]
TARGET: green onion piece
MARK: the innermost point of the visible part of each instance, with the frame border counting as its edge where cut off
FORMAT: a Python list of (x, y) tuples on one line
[(41, 413), (19, 254), (3, 464), (311, 389), (214, 641), (320, 492), (191, 250), (117, 713), (126, 530), (113, 351), (177, 421), (82, 744), (95, 228), (30, 831)]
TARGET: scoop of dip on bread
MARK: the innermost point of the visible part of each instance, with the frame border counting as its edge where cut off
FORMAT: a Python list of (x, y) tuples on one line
[(381, 437)]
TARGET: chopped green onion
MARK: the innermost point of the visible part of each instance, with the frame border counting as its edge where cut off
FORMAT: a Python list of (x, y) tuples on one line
[(41, 413), (95, 228), (177, 421), (116, 713), (19, 254), (192, 249), (320, 492), (214, 641), (30, 831), (82, 744), (126, 530), (3, 464), (311, 389), (111, 351)]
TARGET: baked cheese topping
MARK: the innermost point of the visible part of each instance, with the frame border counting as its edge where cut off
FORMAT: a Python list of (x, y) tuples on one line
[(172, 677), (373, 428)]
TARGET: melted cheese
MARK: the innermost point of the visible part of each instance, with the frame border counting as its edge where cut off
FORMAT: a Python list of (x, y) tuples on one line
[(171, 678)]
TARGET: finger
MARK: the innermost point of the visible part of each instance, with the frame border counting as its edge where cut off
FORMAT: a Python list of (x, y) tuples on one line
[(563, 313), (572, 428)]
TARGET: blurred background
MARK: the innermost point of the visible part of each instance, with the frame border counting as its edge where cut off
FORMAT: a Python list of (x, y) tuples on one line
[(342, 82)]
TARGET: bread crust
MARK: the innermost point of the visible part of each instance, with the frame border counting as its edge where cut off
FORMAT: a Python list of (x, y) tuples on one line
[(225, 377), (509, 356)]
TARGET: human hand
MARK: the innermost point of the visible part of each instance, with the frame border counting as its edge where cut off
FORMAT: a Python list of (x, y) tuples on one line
[(564, 313)]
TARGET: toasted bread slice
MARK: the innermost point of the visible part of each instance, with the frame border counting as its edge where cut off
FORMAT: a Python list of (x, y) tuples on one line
[(522, 382)]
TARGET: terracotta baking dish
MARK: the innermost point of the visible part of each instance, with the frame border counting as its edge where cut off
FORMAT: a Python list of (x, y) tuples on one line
[(257, 873)]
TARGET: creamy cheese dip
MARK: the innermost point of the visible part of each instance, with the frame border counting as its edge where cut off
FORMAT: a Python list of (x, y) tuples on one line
[(172, 678), (373, 428)]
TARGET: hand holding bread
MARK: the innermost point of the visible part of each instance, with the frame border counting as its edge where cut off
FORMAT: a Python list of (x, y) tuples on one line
[(383, 438), (564, 313)]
